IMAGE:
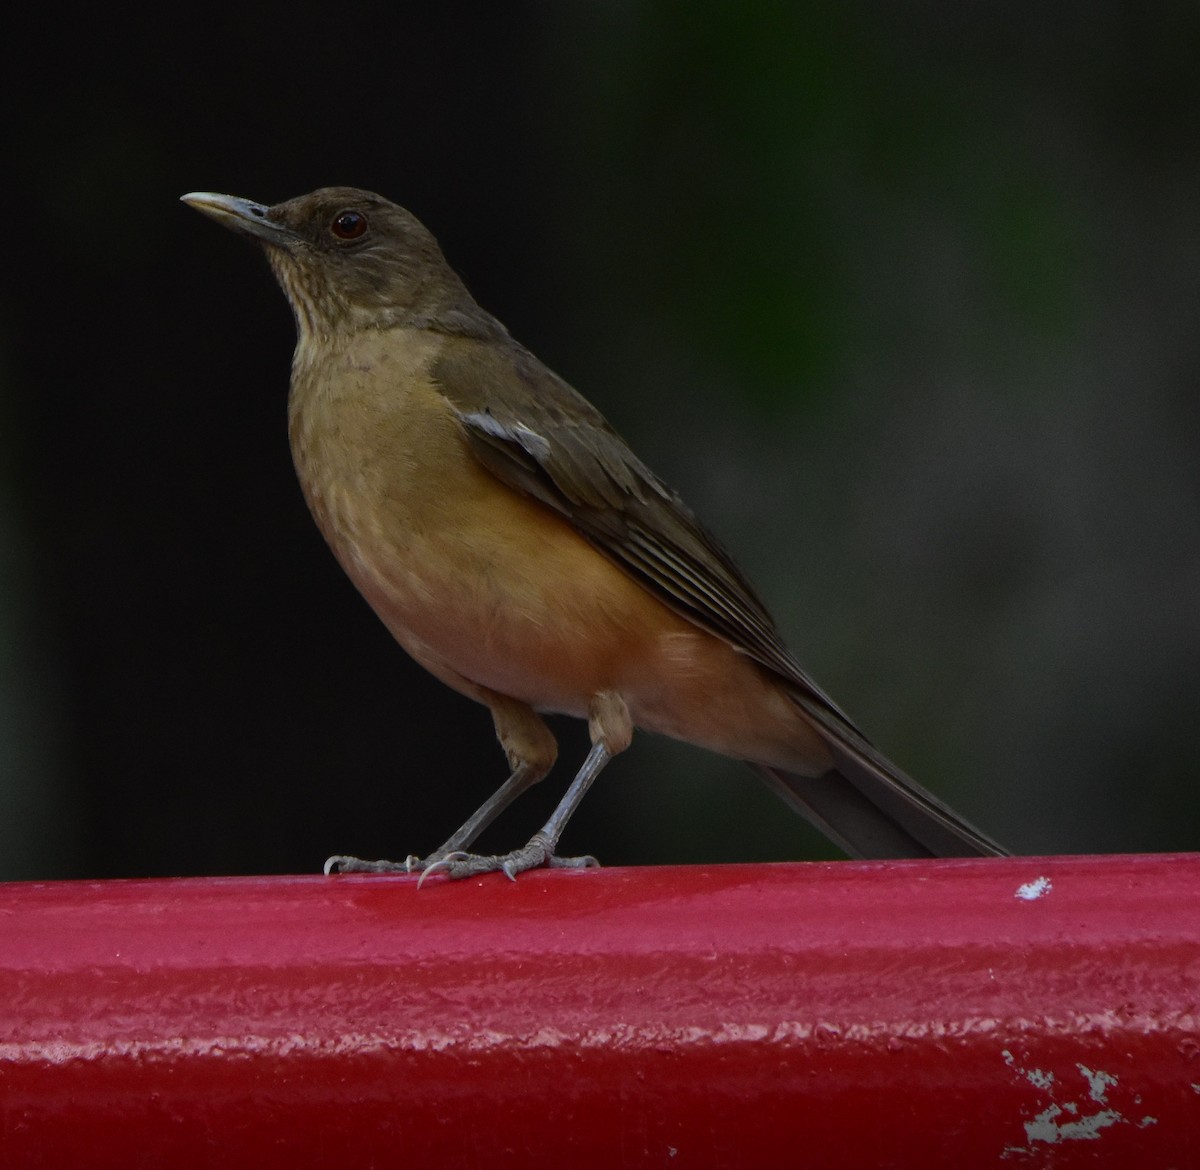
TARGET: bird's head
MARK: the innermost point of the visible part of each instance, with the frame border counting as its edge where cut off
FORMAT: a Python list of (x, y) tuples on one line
[(347, 259)]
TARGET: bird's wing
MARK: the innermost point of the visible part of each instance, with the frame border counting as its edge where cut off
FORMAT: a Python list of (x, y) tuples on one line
[(540, 437)]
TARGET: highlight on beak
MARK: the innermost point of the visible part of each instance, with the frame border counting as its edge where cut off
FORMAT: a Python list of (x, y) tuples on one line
[(239, 215)]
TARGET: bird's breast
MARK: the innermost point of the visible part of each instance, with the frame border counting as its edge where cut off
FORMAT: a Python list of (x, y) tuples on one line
[(466, 573)]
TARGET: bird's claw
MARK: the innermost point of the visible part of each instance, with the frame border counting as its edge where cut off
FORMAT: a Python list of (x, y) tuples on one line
[(436, 863), (583, 861), (340, 863)]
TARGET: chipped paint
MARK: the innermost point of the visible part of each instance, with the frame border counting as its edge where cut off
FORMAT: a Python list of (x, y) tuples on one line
[(1032, 891), (1098, 1083), (1037, 1077), (1070, 1114), (1046, 1127)]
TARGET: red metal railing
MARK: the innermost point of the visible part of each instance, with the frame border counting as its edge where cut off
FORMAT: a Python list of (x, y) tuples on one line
[(1015, 1012)]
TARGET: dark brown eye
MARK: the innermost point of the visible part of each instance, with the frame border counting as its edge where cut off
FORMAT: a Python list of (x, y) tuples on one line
[(348, 225)]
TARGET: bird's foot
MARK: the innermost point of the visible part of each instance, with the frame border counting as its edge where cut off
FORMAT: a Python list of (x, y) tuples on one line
[(459, 864), (536, 853)]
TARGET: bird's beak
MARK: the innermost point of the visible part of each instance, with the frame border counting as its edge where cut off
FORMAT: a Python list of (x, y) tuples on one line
[(240, 215)]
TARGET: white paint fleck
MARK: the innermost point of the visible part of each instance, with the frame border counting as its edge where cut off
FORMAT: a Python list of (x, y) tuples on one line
[(1046, 1127), (1098, 1083), (1039, 1078), (1032, 891)]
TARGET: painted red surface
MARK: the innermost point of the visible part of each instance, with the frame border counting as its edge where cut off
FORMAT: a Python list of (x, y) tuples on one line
[(1016, 1012)]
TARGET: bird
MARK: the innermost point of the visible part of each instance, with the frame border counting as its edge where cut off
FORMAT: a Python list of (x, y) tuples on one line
[(516, 547)]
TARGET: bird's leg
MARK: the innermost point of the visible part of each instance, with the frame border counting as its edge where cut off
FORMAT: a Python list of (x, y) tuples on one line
[(531, 751), (611, 731)]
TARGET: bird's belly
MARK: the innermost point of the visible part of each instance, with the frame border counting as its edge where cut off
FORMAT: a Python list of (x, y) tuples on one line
[(508, 597)]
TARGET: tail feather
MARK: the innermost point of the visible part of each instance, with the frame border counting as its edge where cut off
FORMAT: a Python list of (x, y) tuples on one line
[(871, 808)]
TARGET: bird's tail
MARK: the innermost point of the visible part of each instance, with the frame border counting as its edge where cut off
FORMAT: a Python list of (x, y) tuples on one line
[(871, 808)]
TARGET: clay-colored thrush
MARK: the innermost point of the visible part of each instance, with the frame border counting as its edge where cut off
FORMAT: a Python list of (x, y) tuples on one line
[(519, 550)]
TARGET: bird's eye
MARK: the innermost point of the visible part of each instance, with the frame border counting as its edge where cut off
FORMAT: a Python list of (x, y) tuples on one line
[(348, 225)]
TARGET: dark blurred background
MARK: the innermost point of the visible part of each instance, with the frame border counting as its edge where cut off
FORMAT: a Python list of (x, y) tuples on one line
[(903, 299)]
